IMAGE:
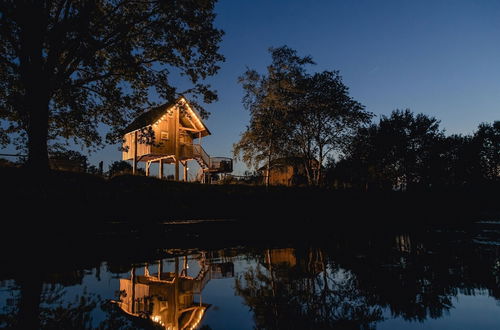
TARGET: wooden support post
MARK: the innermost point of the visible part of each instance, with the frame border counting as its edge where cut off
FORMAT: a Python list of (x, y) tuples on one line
[(148, 164), (176, 266), (132, 279), (134, 165), (177, 142), (185, 171), (185, 266), (176, 175), (160, 169), (160, 268)]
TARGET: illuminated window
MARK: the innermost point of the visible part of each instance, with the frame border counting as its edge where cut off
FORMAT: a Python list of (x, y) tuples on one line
[(164, 135)]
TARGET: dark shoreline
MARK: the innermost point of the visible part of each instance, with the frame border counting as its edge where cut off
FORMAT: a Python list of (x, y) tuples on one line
[(67, 198)]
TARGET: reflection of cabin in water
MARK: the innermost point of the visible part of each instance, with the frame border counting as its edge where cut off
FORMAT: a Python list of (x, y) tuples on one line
[(168, 298), (286, 262), (166, 135)]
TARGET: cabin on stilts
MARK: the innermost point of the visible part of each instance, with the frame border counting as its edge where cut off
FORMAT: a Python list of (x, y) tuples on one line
[(166, 135)]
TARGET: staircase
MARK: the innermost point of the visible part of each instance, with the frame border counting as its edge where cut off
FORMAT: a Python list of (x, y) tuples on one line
[(201, 156), (211, 164)]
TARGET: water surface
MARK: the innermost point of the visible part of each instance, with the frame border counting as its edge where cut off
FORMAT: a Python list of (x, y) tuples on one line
[(437, 278)]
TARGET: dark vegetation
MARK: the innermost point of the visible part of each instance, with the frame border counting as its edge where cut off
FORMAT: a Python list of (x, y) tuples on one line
[(407, 151), (84, 203)]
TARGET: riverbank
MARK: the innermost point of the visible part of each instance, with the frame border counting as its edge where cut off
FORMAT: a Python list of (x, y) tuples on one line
[(84, 201)]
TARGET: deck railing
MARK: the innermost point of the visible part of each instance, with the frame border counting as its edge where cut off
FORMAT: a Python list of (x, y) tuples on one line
[(213, 164)]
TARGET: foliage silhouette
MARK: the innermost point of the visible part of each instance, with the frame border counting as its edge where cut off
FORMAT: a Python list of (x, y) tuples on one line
[(406, 152), (296, 114), (69, 66)]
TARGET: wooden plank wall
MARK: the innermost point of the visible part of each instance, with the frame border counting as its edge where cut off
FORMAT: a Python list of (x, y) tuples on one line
[(142, 148)]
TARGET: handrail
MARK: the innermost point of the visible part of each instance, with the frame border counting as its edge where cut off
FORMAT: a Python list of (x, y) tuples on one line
[(200, 152)]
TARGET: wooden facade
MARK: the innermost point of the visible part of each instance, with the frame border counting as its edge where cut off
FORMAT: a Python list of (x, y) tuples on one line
[(289, 171), (169, 134)]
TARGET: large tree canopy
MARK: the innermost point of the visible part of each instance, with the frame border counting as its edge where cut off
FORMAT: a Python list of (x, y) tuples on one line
[(397, 151), (66, 66), (269, 99), (410, 151), (296, 114), (324, 117)]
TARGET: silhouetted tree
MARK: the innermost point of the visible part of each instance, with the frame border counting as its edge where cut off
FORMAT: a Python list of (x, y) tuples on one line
[(67, 66), (407, 150), (456, 162), (119, 167), (323, 118), (71, 156), (268, 98), (293, 113), (487, 141), (396, 151)]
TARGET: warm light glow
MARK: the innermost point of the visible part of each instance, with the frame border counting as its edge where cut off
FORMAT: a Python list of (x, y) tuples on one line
[(184, 102), (157, 319)]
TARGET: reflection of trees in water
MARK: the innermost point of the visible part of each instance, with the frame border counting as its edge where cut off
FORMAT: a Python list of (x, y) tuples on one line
[(349, 283), (285, 293), (345, 285), (55, 311), (416, 278), (165, 299)]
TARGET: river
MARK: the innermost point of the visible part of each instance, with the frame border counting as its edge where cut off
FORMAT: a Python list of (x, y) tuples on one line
[(433, 278)]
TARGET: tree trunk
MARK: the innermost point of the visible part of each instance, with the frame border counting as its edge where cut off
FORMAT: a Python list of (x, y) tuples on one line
[(318, 170), (29, 304), (36, 83), (38, 122), (268, 169), (307, 164), (269, 158)]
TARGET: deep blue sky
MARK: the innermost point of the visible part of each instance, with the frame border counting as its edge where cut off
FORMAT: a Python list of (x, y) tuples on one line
[(441, 58)]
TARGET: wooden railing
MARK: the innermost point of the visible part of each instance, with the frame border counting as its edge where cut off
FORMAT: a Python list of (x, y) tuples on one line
[(200, 153), (212, 164)]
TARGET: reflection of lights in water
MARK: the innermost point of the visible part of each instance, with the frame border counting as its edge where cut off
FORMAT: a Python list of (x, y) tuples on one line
[(157, 319), (199, 316)]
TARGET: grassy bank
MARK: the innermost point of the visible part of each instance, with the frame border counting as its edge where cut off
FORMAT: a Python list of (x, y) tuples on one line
[(89, 217), (77, 199)]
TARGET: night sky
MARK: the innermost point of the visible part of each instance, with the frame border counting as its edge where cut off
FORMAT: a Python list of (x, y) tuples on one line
[(441, 58)]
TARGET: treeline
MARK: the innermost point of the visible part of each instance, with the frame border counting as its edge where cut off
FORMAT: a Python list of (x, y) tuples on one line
[(407, 151), (295, 114), (75, 161)]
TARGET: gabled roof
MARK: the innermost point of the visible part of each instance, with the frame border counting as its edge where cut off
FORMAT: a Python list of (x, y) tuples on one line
[(154, 114)]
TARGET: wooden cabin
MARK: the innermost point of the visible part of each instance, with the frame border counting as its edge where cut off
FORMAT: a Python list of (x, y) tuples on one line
[(288, 171), (170, 134)]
